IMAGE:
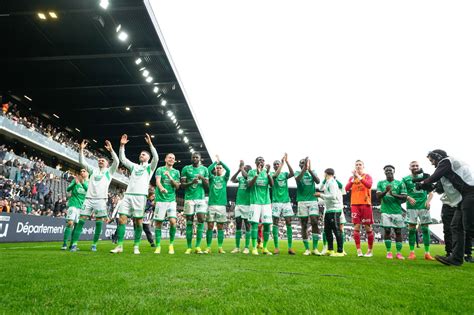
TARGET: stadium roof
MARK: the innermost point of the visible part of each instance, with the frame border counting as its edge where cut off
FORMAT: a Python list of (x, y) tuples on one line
[(75, 66)]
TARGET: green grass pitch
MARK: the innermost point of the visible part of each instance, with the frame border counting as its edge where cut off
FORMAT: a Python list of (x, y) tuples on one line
[(39, 278)]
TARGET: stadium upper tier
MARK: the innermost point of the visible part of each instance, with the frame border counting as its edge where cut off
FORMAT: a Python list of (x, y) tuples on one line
[(46, 144)]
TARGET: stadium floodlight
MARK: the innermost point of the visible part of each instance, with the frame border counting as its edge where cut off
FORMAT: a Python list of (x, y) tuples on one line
[(77, 130), (153, 136), (53, 15), (127, 108), (174, 120), (145, 73), (104, 4), (156, 89), (56, 116), (118, 28), (185, 139), (138, 61), (141, 69), (147, 124), (149, 79), (94, 140), (123, 36), (29, 99), (170, 113), (180, 131), (163, 102), (191, 150), (42, 16)]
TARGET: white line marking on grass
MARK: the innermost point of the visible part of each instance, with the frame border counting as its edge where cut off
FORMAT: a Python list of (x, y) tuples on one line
[(26, 247)]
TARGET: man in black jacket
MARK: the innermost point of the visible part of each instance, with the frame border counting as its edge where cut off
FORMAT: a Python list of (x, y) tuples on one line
[(458, 184)]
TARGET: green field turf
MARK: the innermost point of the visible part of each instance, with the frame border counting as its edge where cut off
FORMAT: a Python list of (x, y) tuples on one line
[(38, 277)]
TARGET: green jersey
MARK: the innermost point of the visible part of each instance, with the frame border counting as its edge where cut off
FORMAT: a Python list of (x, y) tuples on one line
[(259, 192), (420, 196), (194, 191), (170, 195), (390, 204), (305, 188), (280, 188), (243, 192), (218, 186), (78, 193)]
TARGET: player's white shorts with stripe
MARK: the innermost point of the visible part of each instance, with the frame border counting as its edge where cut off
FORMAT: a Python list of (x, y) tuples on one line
[(392, 221), (195, 206), (217, 214), (242, 211), (423, 215), (260, 212), (73, 214), (132, 206), (282, 209), (307, 208), (165, 209), (96, 206)]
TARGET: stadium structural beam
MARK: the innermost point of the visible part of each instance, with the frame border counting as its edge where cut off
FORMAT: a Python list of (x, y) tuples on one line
[(139, 53)]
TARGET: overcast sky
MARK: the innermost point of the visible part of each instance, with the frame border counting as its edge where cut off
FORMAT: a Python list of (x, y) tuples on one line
[(381, 81)]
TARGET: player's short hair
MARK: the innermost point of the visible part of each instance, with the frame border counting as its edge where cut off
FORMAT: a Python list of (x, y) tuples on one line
[(413, 162), (258, 158), (196, 153), (360, 161), (277, 162), (387, 166), (104, 158), (168, 154), (329, 171), (149, 154)]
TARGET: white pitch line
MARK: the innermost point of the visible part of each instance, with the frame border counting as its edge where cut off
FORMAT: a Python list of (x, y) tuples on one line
[(26, 247)]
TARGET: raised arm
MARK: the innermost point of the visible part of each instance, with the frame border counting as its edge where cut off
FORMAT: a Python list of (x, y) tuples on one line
[(126, 162), (115, 158), (366, 181), (278, 171), (234, 177), (251, 180), (71, 185), (227, 171), (154, 154), (270, 178), (290, 169), (82, 159)]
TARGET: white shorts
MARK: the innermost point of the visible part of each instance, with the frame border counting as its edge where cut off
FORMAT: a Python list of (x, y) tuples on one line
[(307, 208), (260, 212), (96, 206), (165, 209), (279, 209), (195, 206), (217, 214), (242, 211), (423, 215), (132, 206), (392, 221), (73, 214)]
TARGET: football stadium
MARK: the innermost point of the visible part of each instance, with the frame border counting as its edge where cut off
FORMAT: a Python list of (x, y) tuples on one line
[(247, 157)]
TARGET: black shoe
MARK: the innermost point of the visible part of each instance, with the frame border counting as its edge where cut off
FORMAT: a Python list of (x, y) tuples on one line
[(468, 259), (448, 261), (152, 245)]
